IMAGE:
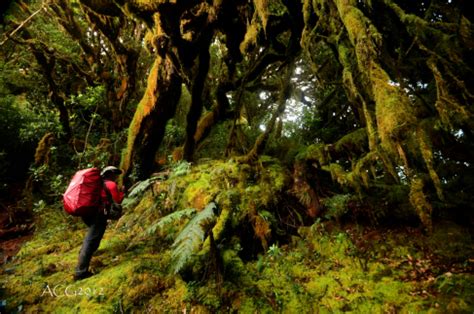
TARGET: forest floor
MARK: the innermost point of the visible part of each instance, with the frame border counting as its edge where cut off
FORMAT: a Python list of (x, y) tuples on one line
[(12, 236), (325, 269)]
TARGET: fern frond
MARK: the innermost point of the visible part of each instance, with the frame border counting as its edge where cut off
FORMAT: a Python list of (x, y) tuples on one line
[(170, 219), (192, 236), (304, 198), (182, 168), (135, 194)]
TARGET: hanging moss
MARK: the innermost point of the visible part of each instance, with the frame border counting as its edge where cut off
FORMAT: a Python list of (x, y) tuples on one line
[(262, 10), (364, 167), (426, 32), (250, 38), (204, 124), (362, 34), (327, 269), (307, 11), (392, 120), (388, 164), (451, 112), (354, 95), (420, 203), (394, 113), (338, 173), (427, 153), (451, 109), (393, 110), (371, 131), (43, 150), (466, 32)]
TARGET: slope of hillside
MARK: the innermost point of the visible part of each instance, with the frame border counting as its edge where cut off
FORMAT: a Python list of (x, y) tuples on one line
[(253, 262)]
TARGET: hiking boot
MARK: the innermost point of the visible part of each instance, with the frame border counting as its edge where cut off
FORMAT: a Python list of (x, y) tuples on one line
[(85, 275)]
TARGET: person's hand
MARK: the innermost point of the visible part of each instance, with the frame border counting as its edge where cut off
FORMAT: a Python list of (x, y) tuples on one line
[(123, 189)]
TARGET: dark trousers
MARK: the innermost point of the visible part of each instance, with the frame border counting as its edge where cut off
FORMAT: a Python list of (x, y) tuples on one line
[(96, 224)]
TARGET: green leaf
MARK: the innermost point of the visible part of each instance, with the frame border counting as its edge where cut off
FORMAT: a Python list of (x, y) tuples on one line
[(192, 236)]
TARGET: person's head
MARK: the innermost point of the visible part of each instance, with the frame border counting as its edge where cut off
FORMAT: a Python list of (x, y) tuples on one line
[(110, 172)]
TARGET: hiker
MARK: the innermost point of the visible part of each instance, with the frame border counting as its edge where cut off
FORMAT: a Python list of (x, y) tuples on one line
[(97, 221)]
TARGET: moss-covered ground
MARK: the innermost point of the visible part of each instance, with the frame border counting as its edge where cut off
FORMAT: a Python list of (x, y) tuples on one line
[(322, 267)]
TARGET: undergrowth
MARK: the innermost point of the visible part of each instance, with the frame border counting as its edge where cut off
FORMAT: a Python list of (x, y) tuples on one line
[(324, 267)]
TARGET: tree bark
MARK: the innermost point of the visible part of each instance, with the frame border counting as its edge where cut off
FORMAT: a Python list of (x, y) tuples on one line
[(196, 102)]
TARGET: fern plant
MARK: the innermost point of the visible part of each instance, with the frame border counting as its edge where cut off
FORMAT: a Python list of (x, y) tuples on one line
[(192, 236), (180, 169), (169, 219), (337, 206), (137, 191)]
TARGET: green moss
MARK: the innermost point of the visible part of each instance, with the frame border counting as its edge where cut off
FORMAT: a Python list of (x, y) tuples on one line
[(250, 38), (262, 8), (319, 286), (219, 228), (199, 193), (338, 173), (319, 271), (420, 203), (364, 167), (276, 175), (336, 206), (43, 149), (352, 142), (393, 110), (345, 57), (144, 108), (234, 268), (427, 153), (317, 152)]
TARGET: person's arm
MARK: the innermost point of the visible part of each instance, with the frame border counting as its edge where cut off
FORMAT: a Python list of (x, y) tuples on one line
[(117, 196)]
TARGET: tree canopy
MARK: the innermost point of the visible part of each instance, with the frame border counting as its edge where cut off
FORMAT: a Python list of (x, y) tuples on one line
[(365, 97)]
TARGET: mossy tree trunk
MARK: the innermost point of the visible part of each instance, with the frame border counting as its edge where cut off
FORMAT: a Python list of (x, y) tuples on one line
[(147, 129), (196, 100)]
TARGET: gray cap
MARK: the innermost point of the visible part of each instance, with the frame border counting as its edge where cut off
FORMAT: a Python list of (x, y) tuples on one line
[(110, 169)]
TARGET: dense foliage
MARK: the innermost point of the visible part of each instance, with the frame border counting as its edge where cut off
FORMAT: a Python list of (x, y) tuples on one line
[(284, 113), (370, 98)]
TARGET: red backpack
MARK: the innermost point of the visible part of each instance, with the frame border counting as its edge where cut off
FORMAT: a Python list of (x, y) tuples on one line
[(83, 195)]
